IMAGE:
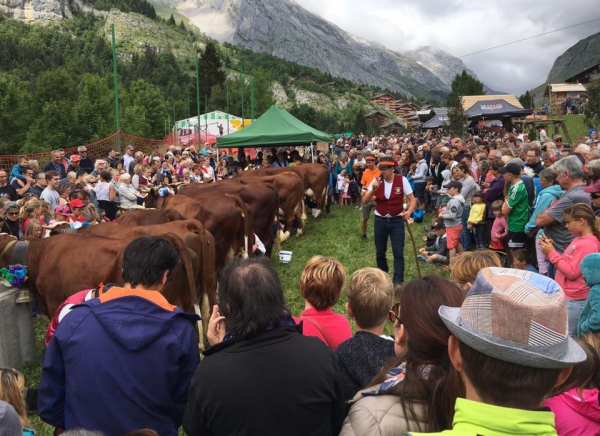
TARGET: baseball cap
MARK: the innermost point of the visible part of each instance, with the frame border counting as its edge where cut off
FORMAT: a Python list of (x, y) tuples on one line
[(535, 308), (454, 184), (518, 161), (439, 225), (419, 148), (63, 209), (478, 194), (75, 158), (130, 147), (76, 203), (512, 168)]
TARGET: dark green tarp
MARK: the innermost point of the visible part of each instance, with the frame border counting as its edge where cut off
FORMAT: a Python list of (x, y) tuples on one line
[(275, 127)]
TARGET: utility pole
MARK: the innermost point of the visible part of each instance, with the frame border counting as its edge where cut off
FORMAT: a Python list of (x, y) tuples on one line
[(252, 100), (242, 92), (198, 101), (116, 80), (227, 105)]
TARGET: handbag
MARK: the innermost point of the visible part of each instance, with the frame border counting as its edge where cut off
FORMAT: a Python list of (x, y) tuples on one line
[(319, 327)]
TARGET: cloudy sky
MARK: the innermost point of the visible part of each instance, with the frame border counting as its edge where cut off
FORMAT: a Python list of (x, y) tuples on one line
[(461, 27)]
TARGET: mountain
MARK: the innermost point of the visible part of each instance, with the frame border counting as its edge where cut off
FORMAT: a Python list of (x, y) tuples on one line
[(583, 55), (286, 30)]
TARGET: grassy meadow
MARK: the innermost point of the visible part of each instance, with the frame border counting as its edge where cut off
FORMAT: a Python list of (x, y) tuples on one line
[(336, 234)]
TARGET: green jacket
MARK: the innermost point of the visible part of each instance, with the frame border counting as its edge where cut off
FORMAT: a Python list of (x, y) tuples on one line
[(472, 418)]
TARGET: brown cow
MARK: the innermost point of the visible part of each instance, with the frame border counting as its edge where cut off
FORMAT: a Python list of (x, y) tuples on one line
[(227, 219), (62, 265), (290, 188), (195, 237), (261, 198), (315, 178), (142, 217)]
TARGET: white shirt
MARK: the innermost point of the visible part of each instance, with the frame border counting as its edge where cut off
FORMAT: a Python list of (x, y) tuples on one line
[(387, 186), (126, 161)]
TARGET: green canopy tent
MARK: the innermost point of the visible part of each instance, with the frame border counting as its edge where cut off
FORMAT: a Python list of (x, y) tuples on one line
[(275, 127)]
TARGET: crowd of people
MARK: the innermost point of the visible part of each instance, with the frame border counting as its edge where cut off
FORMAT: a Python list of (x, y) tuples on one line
[(510, 346), (125, 361)]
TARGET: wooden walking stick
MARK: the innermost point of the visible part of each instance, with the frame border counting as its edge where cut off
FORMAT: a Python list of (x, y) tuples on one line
[(412, 240)]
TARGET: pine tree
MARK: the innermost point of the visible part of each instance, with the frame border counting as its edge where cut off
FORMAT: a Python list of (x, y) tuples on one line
[(182, 26), (592, 109), (463, 84), (210, 70), (171, 21)]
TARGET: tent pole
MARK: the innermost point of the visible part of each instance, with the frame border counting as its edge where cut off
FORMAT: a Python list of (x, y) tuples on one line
[(312, 152)]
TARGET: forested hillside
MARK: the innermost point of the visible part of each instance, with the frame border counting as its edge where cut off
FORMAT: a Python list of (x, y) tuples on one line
[(56, 83)]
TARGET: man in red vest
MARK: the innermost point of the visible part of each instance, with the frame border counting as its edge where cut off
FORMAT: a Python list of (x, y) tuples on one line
[(390, 215)]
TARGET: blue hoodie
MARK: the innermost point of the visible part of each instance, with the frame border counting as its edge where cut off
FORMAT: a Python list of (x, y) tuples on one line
[(589, 318), (542, 202), (120, 362)]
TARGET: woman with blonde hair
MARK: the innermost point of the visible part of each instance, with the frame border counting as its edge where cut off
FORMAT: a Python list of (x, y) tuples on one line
[(466, 266), (64, 191), (31, 210), (321, 286), (137, 174), (12, 386)]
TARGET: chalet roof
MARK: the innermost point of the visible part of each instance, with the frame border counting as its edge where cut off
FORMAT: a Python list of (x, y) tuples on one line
[(565, 87), (383, 95), (376, 112)]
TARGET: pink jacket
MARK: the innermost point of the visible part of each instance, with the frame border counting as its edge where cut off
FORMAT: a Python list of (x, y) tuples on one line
[(500, 226), (335, 324), (568, 269), (576, 415)]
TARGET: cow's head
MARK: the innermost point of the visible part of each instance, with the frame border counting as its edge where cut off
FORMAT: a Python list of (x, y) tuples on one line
[(7, 242)]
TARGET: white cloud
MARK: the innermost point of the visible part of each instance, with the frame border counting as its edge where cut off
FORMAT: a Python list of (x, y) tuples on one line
[(461, 27)]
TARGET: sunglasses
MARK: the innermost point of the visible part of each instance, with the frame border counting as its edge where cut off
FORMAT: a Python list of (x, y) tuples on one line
[(393, 313), (13, 213), (93, 183), (558, 140), (596, 195)]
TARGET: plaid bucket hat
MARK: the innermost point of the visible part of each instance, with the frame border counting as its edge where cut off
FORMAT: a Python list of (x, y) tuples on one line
[(515, 316)]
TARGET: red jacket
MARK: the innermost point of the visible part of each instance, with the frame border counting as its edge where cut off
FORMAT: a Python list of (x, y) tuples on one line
[(335, 324)]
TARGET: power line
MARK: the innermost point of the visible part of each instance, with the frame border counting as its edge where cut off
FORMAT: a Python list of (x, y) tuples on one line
[(529, 37)]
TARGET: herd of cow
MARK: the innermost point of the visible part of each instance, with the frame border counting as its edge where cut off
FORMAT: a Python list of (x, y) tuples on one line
[(209, 224)]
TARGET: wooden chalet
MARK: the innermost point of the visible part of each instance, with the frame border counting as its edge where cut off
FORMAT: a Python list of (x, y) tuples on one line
[(586, 76), (559, 93), (376, 117)]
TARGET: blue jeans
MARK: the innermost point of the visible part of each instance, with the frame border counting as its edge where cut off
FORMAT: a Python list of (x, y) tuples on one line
[(465, 234), (394, 229), (574, 308), (480, 235), (420, 192)]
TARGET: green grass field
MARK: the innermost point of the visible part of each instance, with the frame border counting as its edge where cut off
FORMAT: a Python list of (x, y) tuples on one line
[(336, 234), (575, 125)]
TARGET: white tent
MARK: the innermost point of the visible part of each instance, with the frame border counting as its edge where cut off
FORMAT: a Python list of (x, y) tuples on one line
[(210, 123)]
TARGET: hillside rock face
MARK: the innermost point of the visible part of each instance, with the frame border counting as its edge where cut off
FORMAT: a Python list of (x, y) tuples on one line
[(286, 30), (583, 55), (36, 11)]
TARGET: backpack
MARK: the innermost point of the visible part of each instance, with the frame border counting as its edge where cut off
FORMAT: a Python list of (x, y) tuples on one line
[(530, 186)]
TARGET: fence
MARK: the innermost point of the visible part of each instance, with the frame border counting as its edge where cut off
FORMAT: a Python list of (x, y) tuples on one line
[(96, 150)]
